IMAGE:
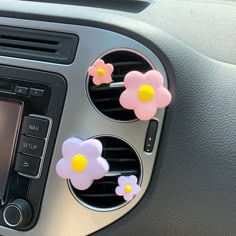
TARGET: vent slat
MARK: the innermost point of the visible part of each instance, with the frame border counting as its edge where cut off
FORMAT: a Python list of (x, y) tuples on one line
[(30, 45), (105, 100), (121, 172), (38, 45), (121, 160), (105, 88), (28, 39), (102, 192), (118, 77), (105, 181), (106, 97), (98, 195), (116, 149), (29, 48), (127, 63), (112, 110)]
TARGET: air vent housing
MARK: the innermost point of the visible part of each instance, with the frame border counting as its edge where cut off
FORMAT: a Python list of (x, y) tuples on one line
[(38, 45), (106, 97), (123, 160)]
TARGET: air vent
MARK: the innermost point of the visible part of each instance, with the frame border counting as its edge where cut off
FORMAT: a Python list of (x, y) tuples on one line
[(123, 160), (106, 97), (37, 45)]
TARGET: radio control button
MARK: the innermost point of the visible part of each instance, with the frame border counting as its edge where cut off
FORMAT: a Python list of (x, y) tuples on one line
[(36, 92), (17, 213), (31, 146), (27, 165), (35, 127), (21, 90)]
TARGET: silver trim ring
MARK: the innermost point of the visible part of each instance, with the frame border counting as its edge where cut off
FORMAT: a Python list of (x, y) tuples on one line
[(122, 204), (87, 81), (4, 215)]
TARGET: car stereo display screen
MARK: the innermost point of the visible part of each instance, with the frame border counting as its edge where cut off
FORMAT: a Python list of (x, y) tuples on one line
[(10, 119)]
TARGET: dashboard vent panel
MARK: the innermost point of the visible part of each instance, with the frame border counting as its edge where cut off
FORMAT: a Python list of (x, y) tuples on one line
[(38, 45), (106, 97), (123, 160)]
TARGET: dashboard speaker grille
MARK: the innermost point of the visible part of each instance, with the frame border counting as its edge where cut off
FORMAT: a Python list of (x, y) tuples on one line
[(106, 97), (123, 160)]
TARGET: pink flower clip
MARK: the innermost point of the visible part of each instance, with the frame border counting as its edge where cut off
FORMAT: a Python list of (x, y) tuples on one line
[(144, 93), (101, 72)]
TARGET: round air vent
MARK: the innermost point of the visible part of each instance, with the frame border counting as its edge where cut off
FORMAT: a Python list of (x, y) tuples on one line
[(106, 97), (123, 160)]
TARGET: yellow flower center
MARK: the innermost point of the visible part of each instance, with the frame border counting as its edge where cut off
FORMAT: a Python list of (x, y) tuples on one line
[(100, 71), (79, 163), (128, 188), (146, 93)]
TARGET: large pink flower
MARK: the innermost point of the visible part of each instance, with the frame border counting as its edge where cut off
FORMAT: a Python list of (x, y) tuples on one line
[(101, 72), (144, 93)]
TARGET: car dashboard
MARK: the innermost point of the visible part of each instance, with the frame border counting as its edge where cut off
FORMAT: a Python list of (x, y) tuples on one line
[(183, 157)]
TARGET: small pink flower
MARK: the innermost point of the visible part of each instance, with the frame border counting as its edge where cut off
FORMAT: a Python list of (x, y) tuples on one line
[(82, 162), (128, 187), (144, 93), (101, 72)]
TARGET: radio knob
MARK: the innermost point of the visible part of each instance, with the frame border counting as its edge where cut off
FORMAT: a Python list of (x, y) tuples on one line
[(17, 213)]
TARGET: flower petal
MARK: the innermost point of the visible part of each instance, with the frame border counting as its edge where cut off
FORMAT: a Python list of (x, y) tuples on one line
[(133, 180), (145, 111), (97, 80), (97, 169), (99, 63), (129, 99), (91, 148), (136, 189), (92, 71), (162, 97), (71, 147), (134, 79), (128, 196), (106, 79), (63, 168), (120, 191), (103, 162), (81, 181), (109, 68), (122, 181), (154, 78)]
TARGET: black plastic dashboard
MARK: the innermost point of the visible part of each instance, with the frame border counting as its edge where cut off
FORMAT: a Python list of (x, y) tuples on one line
[(192, 169)]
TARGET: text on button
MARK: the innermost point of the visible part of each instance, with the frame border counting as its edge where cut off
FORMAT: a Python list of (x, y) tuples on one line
[(31, 146)]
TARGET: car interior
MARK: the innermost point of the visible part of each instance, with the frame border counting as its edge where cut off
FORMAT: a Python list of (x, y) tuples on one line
[(118, 117)]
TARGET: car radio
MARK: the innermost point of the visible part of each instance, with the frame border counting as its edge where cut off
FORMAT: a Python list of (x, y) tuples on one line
[(31, 104)]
